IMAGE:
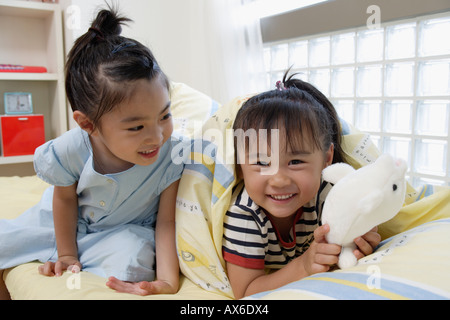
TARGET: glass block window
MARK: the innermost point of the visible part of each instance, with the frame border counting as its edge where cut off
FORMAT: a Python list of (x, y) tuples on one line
[(392, 82)]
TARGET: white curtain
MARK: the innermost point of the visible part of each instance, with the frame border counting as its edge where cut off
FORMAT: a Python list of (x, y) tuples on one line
[(234, 49)]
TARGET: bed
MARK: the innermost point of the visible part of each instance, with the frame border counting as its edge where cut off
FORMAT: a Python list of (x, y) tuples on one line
[(412, 262)]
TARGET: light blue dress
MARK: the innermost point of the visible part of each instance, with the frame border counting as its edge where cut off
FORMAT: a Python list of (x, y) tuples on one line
[(116, 216)]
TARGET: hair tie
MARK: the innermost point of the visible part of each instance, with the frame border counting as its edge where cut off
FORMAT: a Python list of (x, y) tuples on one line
[(97, 32), (280, 86)]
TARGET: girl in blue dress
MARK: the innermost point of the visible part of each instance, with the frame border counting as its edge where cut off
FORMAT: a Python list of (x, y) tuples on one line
[(111, 207)]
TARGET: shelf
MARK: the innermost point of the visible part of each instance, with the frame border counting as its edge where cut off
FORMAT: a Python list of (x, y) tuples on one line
[(29, 76), (16, 8), (31, 34), (16, 159)]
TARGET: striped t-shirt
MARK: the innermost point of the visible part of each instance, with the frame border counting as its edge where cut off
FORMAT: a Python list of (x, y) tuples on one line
[(250, 239)]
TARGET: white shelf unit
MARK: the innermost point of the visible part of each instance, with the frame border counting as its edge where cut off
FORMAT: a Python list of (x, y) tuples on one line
[(31, 34)]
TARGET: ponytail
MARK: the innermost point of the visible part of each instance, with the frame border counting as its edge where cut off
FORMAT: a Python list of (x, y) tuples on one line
[(108, 23)]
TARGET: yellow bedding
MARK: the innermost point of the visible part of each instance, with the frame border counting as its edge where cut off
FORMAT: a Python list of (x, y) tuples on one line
[(413, 264), (24, 281), (410, 266)]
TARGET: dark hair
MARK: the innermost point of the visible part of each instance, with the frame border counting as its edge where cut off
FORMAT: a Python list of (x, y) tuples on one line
[(102, 64), (300, 109)]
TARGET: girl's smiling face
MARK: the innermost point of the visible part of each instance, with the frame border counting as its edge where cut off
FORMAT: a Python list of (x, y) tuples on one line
[(134, 131), (293, 185)]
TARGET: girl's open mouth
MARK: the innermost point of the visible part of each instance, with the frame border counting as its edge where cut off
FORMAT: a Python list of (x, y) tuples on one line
[(149, 153), (281, 197)]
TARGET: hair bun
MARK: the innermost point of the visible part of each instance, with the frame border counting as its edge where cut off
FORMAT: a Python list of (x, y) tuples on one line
[(108, 23)]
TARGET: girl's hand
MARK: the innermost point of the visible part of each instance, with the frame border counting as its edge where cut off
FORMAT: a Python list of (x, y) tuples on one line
[(142, 288), (318, 258), (367, 243), (321, 254), (56, 268)]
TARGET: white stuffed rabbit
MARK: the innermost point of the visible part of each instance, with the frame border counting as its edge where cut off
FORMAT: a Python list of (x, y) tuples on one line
[(360, 200)]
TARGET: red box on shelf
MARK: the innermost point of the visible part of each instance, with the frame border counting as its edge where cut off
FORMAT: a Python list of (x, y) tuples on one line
[(21, 134)]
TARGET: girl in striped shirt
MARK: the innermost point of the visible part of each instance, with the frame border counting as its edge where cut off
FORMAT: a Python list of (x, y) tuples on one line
[(284, 138)]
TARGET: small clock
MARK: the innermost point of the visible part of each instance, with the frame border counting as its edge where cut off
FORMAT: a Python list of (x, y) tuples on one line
[(18, 103)]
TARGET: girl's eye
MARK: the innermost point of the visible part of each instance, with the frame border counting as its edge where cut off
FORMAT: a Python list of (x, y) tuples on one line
[(263, 163), (136, 128), (167, 116), (296, 162)]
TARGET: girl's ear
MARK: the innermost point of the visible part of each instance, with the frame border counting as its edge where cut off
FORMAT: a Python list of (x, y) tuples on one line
[(83, 121), (329, 155)]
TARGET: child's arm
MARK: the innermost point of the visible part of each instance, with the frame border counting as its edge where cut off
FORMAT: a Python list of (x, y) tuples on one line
[(167, 268), (318, 258), (65, 217)]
